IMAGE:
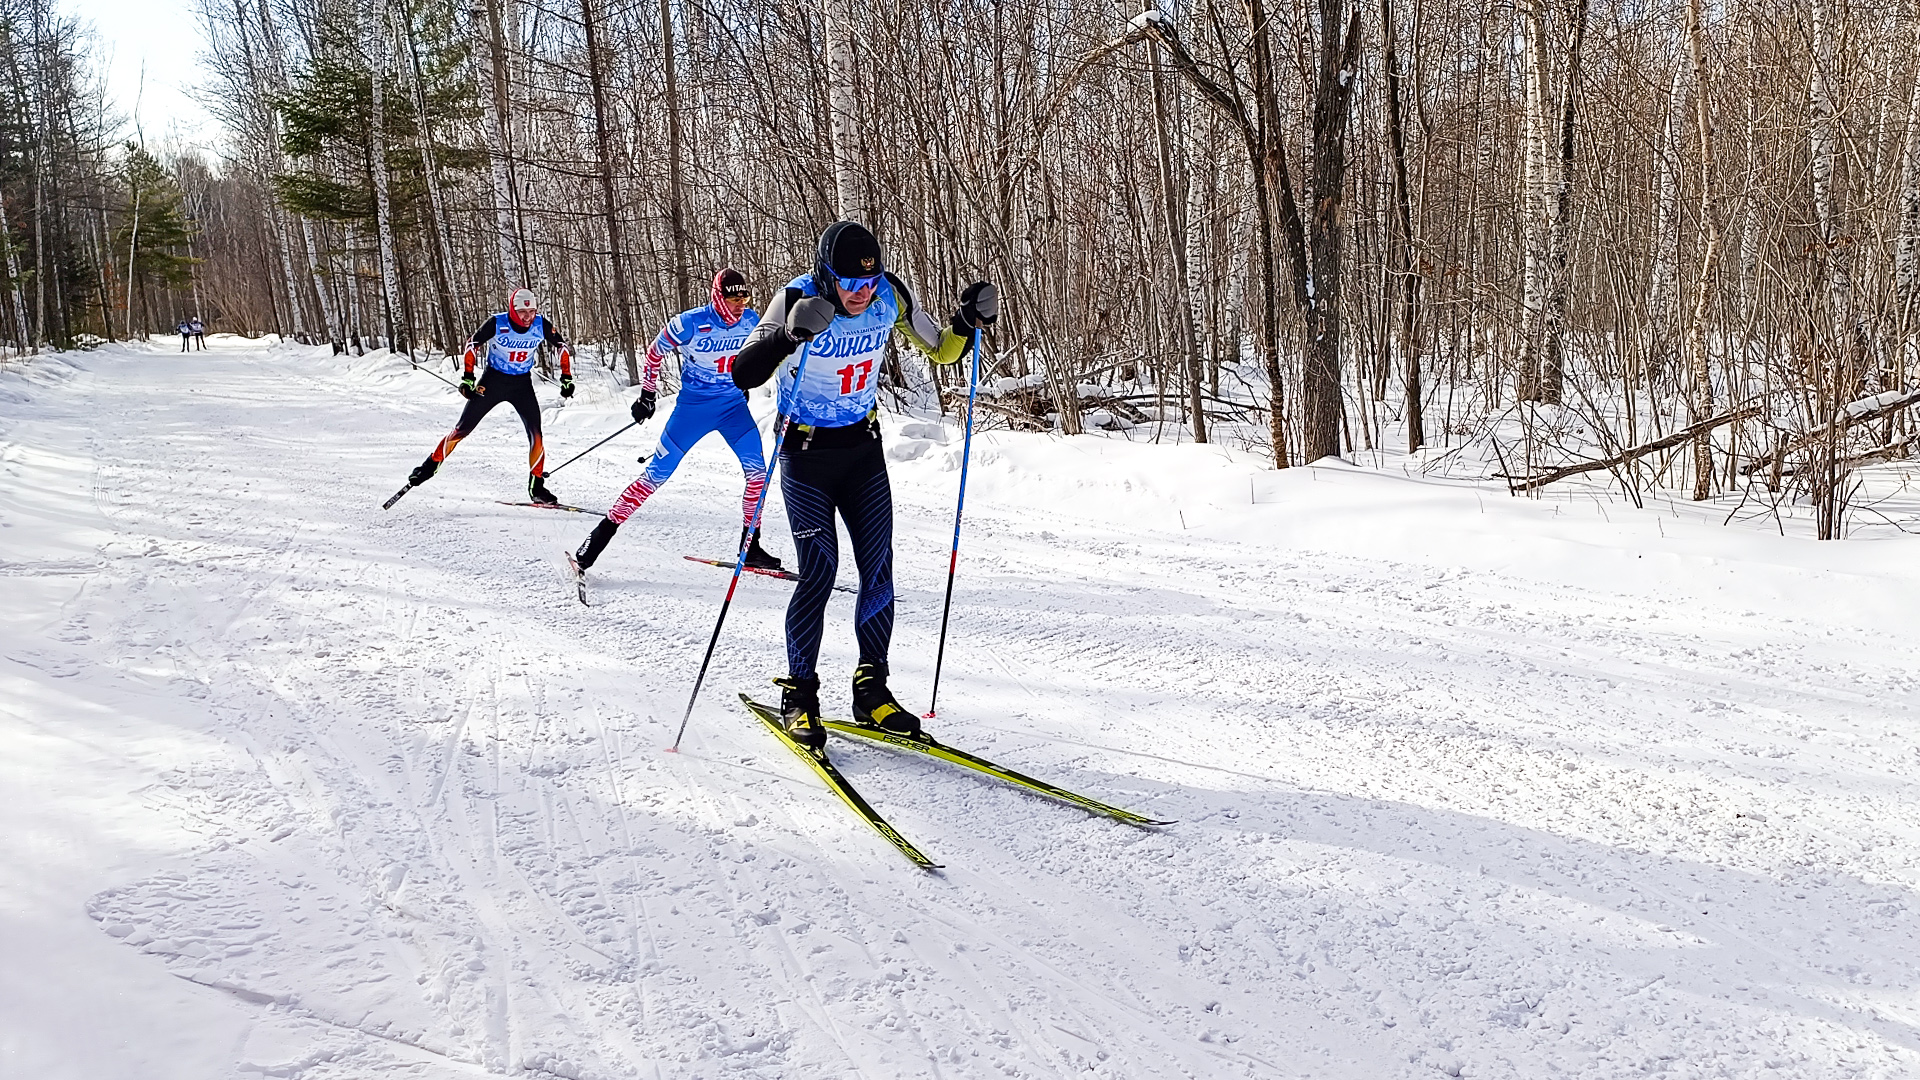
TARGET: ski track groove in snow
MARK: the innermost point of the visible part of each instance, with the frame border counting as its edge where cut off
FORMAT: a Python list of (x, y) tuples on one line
[(1436, 817)]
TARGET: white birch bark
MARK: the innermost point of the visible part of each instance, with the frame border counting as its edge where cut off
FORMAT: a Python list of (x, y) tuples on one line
[(493, 128), (24, 343), (1663, 281), (1535, 192), (336, 330), (376, 44), (356, 326), (1823, 164), (1906, 258), (1749, 205), (843, 105), (266, 79), (1699, 363), (1556, 271)]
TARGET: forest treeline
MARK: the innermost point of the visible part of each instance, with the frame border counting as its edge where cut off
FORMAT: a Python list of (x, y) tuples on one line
[(1674, 241)]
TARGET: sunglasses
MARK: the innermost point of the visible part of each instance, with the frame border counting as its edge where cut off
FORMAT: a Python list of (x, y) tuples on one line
[(737, 294), (855, 284)]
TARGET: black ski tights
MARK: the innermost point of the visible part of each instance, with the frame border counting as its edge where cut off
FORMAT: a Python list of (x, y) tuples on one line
[(853, 481)]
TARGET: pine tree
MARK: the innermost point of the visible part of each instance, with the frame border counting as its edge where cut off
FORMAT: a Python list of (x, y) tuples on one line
[(153, 231)]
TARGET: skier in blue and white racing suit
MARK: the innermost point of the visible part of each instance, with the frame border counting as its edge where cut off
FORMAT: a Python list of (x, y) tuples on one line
[(706, 339), (831, 460)]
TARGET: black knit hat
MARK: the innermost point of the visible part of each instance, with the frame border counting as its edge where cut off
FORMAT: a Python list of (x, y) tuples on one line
[(726, 278), (847, 249)]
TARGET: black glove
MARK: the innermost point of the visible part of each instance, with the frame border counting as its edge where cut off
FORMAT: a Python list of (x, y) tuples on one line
[(809, 317), (467, 389), (979, 306), (566, 386), (643, 407)]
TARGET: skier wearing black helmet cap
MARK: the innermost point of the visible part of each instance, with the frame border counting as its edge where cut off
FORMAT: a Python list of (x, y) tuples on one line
[(846, 310), (706, 339)]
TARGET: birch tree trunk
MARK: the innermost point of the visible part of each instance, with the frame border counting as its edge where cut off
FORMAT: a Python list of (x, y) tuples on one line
[(1170, 202), (266, 79), (336, 330), (1822, 139), (1663, 278), (1401, 259), (356, 326), (399, 334), (445, 280), (1535, 195), (1700, 401), (1834, 379), (493, 128), (676, 178), (1906, 258), (603, 137), (843, 105), (1556, 266), (23, 344)]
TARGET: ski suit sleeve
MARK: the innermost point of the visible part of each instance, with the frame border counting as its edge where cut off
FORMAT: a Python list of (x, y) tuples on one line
[(940, 344), (769, 345), (672, 336), (558, 344), (480, 337)]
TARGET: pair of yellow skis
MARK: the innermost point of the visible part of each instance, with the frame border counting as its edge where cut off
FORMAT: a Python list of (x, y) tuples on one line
[(924, 744)]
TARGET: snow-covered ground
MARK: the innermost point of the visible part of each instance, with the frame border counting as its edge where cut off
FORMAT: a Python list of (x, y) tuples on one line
[(1465, 784)]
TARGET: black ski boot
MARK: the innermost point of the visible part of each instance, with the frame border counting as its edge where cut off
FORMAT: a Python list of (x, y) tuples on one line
[(800, 711), (758, 557), (537, 489), (423, 472), (873, 703), (590, 550)]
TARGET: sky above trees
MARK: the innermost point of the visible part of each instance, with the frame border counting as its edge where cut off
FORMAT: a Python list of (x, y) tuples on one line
[(166, 36)]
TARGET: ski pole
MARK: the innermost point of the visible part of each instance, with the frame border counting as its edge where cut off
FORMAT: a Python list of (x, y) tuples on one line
[(430, 371), (740, 561), (591, 449), (953, 561)]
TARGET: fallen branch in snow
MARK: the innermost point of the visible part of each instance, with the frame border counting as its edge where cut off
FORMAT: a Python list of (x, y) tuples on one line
[(1895, 449), (1855, 413), (1018, 419), (1632, 452)]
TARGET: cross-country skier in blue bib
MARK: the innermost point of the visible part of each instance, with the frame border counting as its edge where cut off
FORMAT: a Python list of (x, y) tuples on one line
[(845, 310), (706, 339), (512, 340)]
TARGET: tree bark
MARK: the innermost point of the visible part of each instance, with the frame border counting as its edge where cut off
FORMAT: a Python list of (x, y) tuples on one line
[(1401, 258), (494, 130), (610, 204), (1176, 228), (1700, 402), (1322, 408), (399, 334), (676, 152)]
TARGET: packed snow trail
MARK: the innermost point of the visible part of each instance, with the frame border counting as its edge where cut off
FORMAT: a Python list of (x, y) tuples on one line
[(1466, 785)]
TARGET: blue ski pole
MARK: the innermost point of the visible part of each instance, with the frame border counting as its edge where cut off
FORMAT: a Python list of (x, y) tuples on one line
[(740, 561), (953, 561)]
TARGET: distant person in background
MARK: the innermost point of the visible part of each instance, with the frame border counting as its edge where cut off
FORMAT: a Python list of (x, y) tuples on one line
[(512, 339), (199, 331), (186, 333)]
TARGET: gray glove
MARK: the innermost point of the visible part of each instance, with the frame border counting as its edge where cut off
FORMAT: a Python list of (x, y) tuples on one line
[(809, 317), (979, 306)]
